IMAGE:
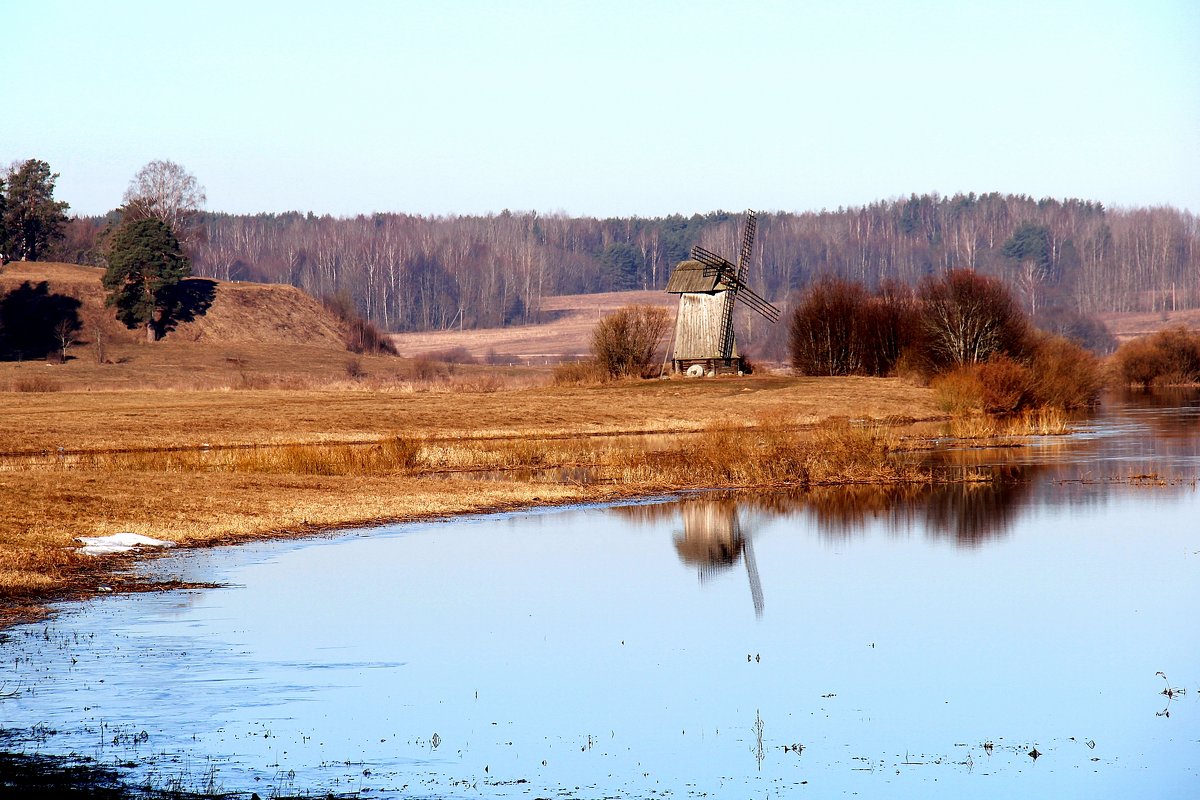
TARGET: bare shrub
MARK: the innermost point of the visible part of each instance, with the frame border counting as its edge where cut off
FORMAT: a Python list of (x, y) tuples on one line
[(424, 369), (36, 383), (1139, 362), (966, 318), (1080, 328), (1006, 385), (450, 355), (625, 342), (828, 328), (1181, 351), (889, 328), (360, 335), (840, 329), (354, 368)]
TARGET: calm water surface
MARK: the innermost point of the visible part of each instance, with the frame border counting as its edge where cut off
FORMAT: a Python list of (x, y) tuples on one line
[(904, 643)]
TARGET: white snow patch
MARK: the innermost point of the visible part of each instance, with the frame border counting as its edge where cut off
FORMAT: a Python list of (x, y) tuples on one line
[(117, 543)]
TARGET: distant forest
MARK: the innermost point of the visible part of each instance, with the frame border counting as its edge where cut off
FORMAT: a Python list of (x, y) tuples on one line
[(417, 273)]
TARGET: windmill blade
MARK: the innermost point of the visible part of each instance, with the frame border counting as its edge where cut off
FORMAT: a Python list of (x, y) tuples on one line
[(712, 260), (757, 302), (747, 251)]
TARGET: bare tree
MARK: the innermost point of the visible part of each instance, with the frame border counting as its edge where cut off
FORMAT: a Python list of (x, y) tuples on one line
[(966, 318), (165, 191)]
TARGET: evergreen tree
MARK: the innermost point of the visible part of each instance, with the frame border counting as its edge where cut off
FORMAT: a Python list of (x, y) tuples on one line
[(620, 265), (32, 218), (145, 263)]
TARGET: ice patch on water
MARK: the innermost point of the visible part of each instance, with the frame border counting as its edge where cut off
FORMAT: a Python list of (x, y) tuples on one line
[(117, 543)]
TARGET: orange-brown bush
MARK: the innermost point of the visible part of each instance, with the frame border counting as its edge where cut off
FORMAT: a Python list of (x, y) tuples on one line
[(1171, 356), (1007, 385), (1065, 374), (1057, 373), (959, 391), (625, 342)]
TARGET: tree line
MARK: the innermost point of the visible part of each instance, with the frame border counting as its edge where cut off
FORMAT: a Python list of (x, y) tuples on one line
[(408, 272)]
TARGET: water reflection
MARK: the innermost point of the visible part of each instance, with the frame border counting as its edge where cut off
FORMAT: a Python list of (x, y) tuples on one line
[(713, 539)]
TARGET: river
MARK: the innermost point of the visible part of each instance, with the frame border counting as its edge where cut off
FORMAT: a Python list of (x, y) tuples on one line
[(1030, 635)]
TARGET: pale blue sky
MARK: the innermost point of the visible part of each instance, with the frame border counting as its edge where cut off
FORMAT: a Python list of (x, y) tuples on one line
[(615, 108)]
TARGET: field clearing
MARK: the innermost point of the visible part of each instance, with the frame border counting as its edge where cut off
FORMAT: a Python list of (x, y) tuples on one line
[(565, 337), (80, 421), (1126, 326)]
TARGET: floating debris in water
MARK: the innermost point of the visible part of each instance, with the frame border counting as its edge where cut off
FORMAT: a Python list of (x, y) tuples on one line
[(759, 753)]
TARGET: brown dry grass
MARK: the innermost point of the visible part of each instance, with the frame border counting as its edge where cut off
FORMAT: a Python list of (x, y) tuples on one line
[(83, 420)]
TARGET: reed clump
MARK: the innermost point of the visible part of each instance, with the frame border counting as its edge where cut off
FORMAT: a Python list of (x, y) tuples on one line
[(586, 372), (724, 455)]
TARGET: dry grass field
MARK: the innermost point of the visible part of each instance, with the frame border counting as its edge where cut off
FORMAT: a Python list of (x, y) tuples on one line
[(567, 335), (254, 421), (1128, 326)]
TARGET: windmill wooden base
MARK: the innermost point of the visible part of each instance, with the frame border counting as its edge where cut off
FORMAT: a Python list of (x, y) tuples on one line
[(710, 366)]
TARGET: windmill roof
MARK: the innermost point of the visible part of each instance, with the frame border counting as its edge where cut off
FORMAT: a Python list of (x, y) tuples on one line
[(689, 277)]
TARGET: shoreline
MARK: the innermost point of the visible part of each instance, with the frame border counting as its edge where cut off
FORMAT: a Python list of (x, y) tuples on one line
[(113, 572), (203, 469)]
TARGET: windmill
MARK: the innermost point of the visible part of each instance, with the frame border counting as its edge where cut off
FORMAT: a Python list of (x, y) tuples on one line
[(708, 286)]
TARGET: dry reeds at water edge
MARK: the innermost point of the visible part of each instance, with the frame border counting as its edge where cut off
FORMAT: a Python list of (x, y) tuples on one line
[(389, 455), (720, 455), (772, 454)]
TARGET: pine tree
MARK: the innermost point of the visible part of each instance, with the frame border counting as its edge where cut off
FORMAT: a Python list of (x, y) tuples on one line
[(145, 263), (32, 218)]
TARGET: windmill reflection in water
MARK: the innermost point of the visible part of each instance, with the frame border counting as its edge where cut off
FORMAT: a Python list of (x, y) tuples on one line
[(713, 540)]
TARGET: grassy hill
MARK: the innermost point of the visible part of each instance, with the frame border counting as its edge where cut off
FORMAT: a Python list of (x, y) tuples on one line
[(239, 335)]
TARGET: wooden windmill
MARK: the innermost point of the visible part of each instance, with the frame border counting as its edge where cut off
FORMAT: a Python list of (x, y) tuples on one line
[(708, 286)]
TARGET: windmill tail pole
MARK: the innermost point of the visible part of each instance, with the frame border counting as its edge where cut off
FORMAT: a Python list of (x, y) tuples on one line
[(670, 345), (756, 592)]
